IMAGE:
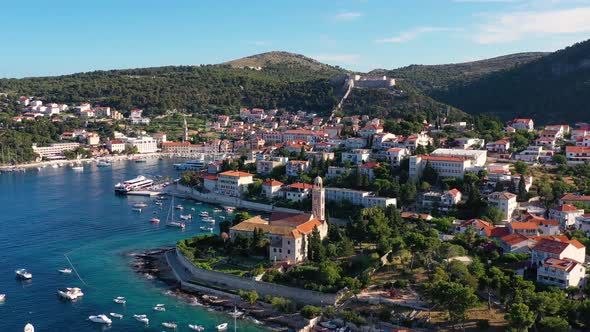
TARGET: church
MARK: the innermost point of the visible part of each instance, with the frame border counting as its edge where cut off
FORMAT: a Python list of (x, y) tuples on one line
[(289, 232)]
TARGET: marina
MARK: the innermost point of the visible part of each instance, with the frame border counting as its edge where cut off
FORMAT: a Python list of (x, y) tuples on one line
[(99, 240)]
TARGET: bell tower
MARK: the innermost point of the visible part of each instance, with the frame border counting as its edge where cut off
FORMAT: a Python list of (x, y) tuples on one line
[(185, 131), (318, 204)]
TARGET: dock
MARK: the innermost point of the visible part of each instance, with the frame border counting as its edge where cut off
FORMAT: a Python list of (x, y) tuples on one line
[(144, 193)]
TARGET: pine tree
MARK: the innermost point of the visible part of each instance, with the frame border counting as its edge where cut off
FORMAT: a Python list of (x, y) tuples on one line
[(522, 193)]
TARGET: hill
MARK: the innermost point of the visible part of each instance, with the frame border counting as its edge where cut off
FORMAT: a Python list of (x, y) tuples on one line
[(553, 88), (429, 78)]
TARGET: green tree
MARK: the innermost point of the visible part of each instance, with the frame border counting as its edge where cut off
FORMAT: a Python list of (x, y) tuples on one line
[(310, 311), (520, 167), (315, 249), (520, 317), (455, 298), (553, 324), (522, 193), (249, 296)]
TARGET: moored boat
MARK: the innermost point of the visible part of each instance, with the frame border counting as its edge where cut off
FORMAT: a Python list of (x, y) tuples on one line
[(221, 327), (65, 271), (120, 300), (116, 315), (155, 220), (140, 182), (196, 327), (23, 274), (170, 325), (176, 224), (101, 319), (179, 207), (186, 217), (206, 229), (142, 318), (70, 293), (2, 297)]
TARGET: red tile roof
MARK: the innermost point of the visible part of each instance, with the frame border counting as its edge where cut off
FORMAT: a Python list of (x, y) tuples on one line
[(524, 225), (577, 149), (300, 185), (272, 183), (513, 239), (236, 174), (566, 208), (576, 198)]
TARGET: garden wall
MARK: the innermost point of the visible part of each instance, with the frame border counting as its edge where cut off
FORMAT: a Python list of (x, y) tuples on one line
[(234, 283)]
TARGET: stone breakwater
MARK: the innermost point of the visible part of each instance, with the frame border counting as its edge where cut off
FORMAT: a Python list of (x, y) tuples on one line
[(152, 264)]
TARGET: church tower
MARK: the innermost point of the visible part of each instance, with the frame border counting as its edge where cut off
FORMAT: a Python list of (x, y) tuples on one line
[(318, 203), (185, 131)]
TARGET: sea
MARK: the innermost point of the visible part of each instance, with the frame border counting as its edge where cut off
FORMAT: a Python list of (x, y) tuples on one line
[(49, 216)]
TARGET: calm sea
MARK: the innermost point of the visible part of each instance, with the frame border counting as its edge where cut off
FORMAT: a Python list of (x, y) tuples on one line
[(49, 213)]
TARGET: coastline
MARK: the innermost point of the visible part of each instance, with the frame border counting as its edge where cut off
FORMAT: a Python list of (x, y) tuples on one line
[(84, 160), (152, 264)]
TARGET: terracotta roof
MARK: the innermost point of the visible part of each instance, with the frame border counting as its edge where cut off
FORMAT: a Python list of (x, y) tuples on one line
[(210, 177), (371, 164), (307, 227), (479, 225), (561, 238), (549, 222), (502, 195), (498, 232), (394, 149), (272, 183), (566, 208), (513, 239), (454, 192), (522, 120), (566, 264), (166, 144), (524, 225), (551, 246), (574, 197), (236, 174), (300, 185), (577, 149)]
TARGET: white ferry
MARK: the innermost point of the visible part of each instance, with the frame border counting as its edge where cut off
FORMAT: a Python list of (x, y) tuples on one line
[(193, 165), (137, 183)]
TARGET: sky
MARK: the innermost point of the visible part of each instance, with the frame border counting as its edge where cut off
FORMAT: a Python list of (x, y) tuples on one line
[(41, 38)]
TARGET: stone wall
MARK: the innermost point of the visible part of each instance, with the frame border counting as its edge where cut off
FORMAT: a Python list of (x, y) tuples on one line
[(234, 283)]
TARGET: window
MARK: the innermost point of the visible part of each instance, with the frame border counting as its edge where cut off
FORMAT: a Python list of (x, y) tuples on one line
[(289, 251)]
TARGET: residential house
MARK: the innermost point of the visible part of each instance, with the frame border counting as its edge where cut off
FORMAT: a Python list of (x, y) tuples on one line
[(335, 171), (396, 155), (116, 146), (505, 202), (566, 214), (368, 169), (500, 146), (298, 192), (370, 130), (482, 228), (296, 167), (577, 155), (233, 183), (271, 188), (355, 143), (452, 167), (574, 198), (562, 273), (356, 156), (523, 124), (516, 243)]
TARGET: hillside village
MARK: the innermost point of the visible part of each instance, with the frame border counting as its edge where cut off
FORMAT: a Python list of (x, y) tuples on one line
[(350, 169)]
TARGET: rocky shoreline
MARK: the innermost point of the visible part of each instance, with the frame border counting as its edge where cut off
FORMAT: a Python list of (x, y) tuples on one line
[(152, 265)]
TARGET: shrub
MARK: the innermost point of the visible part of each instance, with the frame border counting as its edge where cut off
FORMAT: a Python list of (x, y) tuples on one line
[(401, 283), (249, 296), (283, 305), (310, 311), (350, 316)]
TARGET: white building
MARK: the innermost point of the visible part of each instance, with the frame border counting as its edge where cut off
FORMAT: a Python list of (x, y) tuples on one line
[(477, 157), (298, 192), (396, 155), (358, 197), (577, 155), (505, 201), (523, 124), (562, 273), (116, 146), (566, 214), (233, 183), (54, 150), (449, 167), (271, 188), (357, 156), (144, 144)]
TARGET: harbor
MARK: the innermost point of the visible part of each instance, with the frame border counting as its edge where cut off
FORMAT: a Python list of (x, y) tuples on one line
[(101, 240)]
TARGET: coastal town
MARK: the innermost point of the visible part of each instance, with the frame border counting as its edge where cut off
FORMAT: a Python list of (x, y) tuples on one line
[(334, 209)]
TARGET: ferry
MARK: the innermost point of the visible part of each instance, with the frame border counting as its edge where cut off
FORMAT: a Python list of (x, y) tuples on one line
[(140, 182), (193, 165)]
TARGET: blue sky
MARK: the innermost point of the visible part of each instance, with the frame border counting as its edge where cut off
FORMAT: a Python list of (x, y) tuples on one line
[(57, 37)]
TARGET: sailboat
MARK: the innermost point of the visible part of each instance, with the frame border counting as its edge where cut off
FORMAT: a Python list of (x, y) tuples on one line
[(170, 218)]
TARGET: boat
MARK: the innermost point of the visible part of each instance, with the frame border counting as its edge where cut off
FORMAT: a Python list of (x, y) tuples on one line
[(235, 313), (196, 327), (192, 165), (70, 293), (101, 319), (179, 207), (159, 307), (176, 224), (103, 163), (2, 297), (136, 209), (29, 328), (120, 300), (23, 274), (78, 168), (207, 229), (159, 203), (142, 318), (140, 182), (221, 327), (208, 220), (140, 205), (155, 220), (217, 210), (204, 214), (65, 271), (170, 325), (229, 208), (186, 217), (140, 160), (55, 166), (116, 315)]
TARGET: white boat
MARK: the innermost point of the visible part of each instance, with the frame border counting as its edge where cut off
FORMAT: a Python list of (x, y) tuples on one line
[(29, 328), (101, 319), (207, 229), (2, 297), (176, 224), (23, 274), (103, 163), (159, 203), (186, 217), (179, 207), (196, 327), (159, 308), (193, 165), (142, 318), (221, 327), (217, 210), (208, 220), (70, 293), (136, 209), (140, 205), (235, 313), (170, 325), (204, 214), (116, 315), (65, 271), (140, 182), (120, 300), (55, 166), (78, 168)]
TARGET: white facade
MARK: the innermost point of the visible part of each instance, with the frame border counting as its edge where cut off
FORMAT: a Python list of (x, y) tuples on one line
[(477, 157), (358, 197), (450, 167), (233, 183), (143, 144), (358, 156), (566, 214), (505, 201), (54, 150)]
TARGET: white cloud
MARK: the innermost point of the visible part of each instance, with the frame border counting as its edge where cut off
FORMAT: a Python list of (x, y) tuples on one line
[(347, 16), (345, 59), (412, 34), (515, 26)]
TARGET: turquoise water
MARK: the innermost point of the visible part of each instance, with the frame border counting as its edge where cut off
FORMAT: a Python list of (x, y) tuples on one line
[(51, 212)]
